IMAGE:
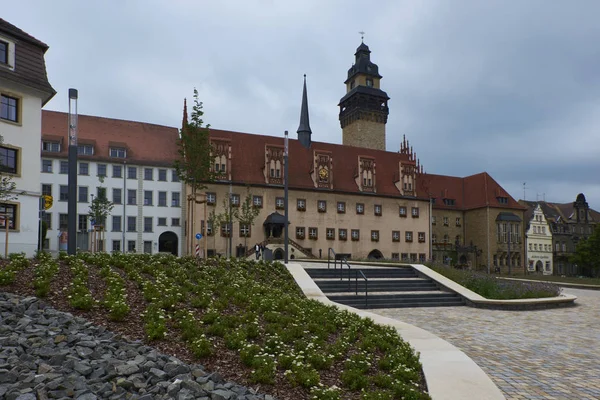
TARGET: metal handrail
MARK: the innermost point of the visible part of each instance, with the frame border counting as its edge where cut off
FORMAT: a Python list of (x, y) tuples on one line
[(329, 251), (366, 285), (342, 262)]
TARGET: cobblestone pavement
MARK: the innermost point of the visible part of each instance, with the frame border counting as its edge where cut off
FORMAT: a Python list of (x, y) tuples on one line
[(542, 354)]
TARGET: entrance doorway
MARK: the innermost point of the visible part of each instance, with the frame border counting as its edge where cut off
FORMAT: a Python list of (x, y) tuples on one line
[(168, 243), (375, 255), (539, 267)]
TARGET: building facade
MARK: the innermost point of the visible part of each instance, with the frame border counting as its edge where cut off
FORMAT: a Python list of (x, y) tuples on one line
[(475, 223), (569, 224), (538, 242), (131, 163), (24, 89)]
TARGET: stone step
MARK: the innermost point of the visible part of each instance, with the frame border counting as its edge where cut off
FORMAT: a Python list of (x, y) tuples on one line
[(361, 304), (368, 272)]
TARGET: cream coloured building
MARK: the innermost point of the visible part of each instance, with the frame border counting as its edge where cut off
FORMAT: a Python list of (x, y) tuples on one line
[(538, 244)]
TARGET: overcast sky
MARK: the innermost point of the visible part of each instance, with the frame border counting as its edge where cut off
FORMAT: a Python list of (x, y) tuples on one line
[(507, 87)]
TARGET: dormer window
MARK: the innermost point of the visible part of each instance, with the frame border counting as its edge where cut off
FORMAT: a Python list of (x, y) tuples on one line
[(449, 202), (118, 152), (502, 200), (85, 150), (367, 174), (3, 52), (53, 147)]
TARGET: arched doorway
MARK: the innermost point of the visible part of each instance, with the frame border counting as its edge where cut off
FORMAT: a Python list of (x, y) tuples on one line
[(278, 254), (539, 267), (168, 242), (462, 260), (375, 255)]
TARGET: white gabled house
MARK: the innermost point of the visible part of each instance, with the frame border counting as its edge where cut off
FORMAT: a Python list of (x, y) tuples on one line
[(24, 90), (538, 242)]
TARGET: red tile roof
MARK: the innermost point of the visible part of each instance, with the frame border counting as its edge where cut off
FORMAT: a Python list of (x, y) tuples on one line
[(248, 162), (471, 192), (147, 144)]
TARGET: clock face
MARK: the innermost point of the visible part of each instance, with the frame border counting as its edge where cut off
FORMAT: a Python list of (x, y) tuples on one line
[(323, 173)]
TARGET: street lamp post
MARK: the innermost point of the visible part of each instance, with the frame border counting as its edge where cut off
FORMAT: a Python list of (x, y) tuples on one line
[(286, 238), (72, 180)]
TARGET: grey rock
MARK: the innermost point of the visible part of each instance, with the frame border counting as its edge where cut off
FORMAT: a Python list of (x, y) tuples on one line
[(209, 386), (7, 376), (127, 369), (221, 394), (82, 368), (193, 387), (44, 368), (158, 373)]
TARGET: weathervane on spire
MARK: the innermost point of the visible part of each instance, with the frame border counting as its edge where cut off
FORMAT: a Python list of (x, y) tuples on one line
[(362, 36)]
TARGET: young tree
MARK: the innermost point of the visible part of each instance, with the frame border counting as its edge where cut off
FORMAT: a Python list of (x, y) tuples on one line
[(225, 217), (213, 220), (587, 253), (101, 207), (247, 214), (193, 166)]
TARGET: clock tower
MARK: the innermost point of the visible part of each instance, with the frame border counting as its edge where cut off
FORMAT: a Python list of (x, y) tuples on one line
[(364, 108)]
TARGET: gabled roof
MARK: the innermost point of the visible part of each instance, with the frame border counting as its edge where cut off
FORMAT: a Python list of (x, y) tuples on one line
[(559, 212), (248, 162), (30, 66), (147, 144), (471, 192)]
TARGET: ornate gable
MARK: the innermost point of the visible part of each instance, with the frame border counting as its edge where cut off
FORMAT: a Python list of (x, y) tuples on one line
[(366, 177), (273, 169), (221, 152), (322, 173)]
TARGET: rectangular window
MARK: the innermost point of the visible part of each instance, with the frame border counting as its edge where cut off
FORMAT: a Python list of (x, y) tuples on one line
[(457, 221), (343, 234), (235, 200), (116, 223), (300, 232), (82, 196), (374, 236), (211, 198), (209, 229), (63, 221), (46, 189), (175, 199), (225, 230), (101, 169), (422, 258), (52, 147), (47, 218), (131, 246), (395, 236), (402, 211), (433, 220), (415, 212), (117, 152), (147, 247), (148, 197), (84, 168), (116, 198), (322, 206), (413, 257), (11, 211), (117, 171), (279, 203), (404, 257), (377, 210), (408, 236), (162, 199), (244, 230), (162, 221), (148, 174), (82, 222), (341, 207), (446, 223), (313, 233), (174, 176), (175, 222), (360, 208), (396, 256), (47, 166), (64, 193), (116, 246), (9, 108), (257, 201), (85, 150), (355, 233), (8, 160), (162, 175), (301, 204), (421, 237), (131, 224), (64, 167), (330, 233), (433, 238), (131, 172), (131, 197), (147, 224), (3, 52)]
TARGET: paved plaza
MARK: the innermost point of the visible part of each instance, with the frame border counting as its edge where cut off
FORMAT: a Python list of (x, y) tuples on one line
[(542, 354)]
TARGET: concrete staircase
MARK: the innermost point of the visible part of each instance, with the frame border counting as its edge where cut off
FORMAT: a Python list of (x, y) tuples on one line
[(387, 287)]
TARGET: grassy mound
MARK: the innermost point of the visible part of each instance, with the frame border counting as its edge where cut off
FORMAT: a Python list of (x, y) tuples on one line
[(247, 320)]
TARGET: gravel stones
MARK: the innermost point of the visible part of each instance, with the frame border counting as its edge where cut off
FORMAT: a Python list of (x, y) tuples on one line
[(48, 354)]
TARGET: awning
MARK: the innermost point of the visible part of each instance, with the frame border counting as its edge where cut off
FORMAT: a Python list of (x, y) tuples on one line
[(275, 219)]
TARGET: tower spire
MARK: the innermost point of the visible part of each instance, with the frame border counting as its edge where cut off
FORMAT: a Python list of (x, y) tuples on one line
[(304, 132)]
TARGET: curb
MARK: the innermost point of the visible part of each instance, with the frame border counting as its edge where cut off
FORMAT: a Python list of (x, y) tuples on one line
[(450, 374), (563, 284)]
